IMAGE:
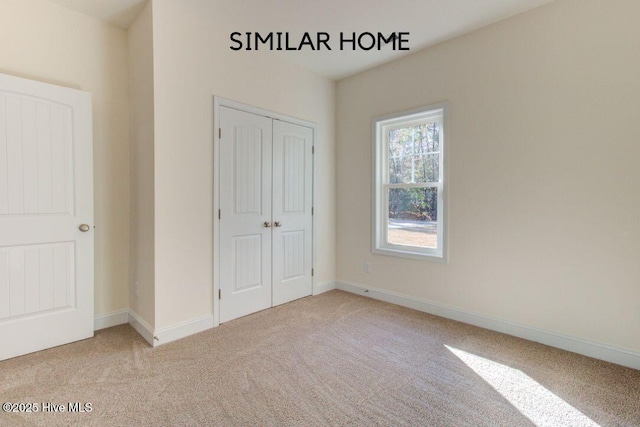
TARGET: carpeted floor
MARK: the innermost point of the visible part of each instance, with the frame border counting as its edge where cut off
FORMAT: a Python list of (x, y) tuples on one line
[(334, 359)]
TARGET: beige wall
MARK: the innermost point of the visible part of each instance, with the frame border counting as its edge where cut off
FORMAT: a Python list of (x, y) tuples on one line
[(142, 292), (193, 63), (43, 41), (544, 177)]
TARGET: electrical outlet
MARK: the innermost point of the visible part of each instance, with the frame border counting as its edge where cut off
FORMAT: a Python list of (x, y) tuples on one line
[(367, 267)]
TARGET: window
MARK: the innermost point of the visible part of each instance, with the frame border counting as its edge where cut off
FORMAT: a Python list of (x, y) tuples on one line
[(410, 204)]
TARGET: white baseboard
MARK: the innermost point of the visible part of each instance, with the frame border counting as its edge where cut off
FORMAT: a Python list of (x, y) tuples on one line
[(159, 336), (112, 319), (141, 326), (323, 287), (182, 330), (564, 342)]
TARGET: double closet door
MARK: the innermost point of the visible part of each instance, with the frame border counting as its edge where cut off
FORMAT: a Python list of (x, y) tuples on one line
[(266, 170)]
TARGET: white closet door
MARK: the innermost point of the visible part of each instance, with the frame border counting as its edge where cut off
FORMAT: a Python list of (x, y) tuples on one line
[(292, 202), (245, 224), (46, 198)]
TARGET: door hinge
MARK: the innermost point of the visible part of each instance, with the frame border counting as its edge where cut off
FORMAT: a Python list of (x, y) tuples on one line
[(219, 214), (313, 149), (312, 272), (219, 293), (219, 133), (311, 210)]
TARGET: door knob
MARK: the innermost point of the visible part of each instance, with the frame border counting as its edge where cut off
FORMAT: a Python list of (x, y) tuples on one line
[(84, 228), (267, 224), (277, 224)]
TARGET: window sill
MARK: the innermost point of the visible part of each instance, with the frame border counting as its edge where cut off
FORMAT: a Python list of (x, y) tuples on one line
[(422, 256)]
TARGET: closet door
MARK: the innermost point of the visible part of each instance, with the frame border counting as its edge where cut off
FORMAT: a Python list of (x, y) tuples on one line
[(245, 223), (292, 220)]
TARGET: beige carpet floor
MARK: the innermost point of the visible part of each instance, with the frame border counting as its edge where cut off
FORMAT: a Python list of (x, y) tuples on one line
[(334, 359)]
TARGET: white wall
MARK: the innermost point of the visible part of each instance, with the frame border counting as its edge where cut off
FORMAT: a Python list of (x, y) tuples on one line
[(43, 41), (141, 87), (192, 63), (544, 177)]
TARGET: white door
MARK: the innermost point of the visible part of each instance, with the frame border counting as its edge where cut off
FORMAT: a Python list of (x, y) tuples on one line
[(46, 196), (265, 224), (292, 202), (245, 217)]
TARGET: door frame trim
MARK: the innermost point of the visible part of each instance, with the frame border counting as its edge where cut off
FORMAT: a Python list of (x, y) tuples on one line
[(218, 102)]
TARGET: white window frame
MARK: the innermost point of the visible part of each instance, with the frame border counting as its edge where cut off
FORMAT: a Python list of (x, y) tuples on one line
[(381, 127)]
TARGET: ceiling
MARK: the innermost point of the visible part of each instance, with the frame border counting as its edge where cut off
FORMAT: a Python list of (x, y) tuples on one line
[(427, 21), (120, 13)]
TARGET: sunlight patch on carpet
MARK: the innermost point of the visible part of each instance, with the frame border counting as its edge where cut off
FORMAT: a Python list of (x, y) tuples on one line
[(529, 397)]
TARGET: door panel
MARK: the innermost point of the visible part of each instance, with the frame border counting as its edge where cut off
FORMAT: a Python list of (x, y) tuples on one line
[(46, 192), (36, 153), (248, 170), (245, 200), (247, 260), (36, 278), (292, 201)]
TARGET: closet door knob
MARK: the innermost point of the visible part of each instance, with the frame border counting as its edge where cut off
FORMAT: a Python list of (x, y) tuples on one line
[(267, 224), (84, 228), (277, 224)]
